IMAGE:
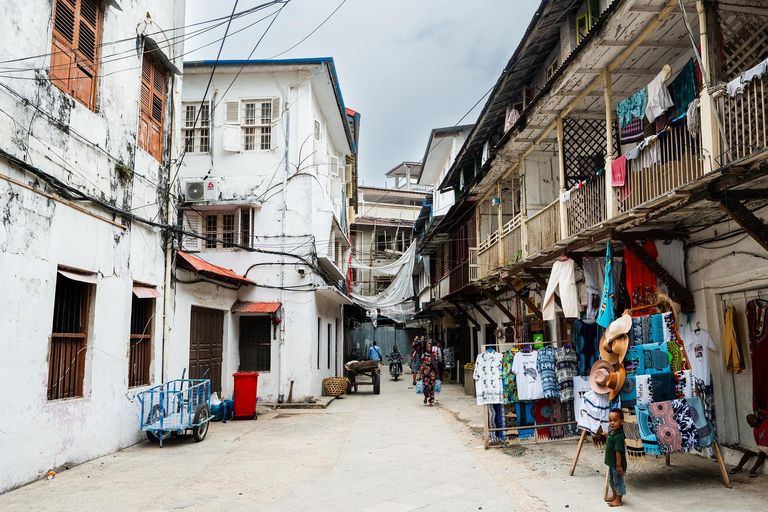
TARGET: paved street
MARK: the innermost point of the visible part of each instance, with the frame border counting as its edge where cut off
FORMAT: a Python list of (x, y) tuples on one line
[(368, 452)]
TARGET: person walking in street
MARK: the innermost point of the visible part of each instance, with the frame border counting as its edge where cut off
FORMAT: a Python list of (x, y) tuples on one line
[(416, 354), (374, 354), (429, 369), (615, 457)]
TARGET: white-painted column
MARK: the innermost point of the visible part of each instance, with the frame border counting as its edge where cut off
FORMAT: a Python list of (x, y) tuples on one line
[(523, 209), (710, 134), (500, 217), (611, 205), (561, 163)]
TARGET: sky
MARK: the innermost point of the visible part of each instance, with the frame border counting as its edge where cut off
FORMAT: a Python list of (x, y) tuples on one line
[(407, 66)]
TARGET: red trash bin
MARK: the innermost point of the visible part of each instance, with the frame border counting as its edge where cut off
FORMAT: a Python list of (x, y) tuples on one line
[(246, 387)]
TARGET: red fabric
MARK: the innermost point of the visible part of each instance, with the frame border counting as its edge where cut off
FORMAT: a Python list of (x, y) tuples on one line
[(641, 282), (619, 171), (757, 323), (761, 433)]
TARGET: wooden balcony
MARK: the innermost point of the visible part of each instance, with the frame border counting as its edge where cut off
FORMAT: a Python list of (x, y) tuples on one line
[(512, 240), (744, 120), (543, 228), (586, 206), (473, 266)]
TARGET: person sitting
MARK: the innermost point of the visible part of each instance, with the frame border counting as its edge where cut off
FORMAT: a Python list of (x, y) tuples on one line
[(760, 431)]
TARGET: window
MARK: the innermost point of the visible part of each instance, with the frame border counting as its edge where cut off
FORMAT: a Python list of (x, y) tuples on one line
[(382, 283), (328, 344), (224, 229), (257, 125), (381, 242), (140, 352), (69, 338), (152, 106), (551, 69), (74, 56), (197, 127), (255, 344), (319, 333)]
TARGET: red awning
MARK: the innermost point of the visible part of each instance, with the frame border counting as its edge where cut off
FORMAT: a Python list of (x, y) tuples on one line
[(204, 268), (144, 292), (244, 306)]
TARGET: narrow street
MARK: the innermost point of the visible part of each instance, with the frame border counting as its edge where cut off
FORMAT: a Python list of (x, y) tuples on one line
[(370, 452)]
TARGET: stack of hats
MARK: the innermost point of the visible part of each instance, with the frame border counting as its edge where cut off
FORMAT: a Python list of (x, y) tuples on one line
[(608, 374)]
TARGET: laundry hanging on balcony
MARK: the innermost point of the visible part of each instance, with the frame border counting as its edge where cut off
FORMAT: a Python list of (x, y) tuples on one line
[(736, 86), (396, 301)]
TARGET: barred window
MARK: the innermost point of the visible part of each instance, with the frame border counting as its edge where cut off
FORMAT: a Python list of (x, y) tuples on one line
[(211, 230), (197, 131), (140, 352), (257, 125), (255, 344)]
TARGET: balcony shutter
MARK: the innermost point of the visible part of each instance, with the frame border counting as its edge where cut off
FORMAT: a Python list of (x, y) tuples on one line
[(192, 223), (232, 127), (275, 133)]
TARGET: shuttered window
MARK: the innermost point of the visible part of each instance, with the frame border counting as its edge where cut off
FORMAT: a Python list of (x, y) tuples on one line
[(152, 106), (223, 229), (74, 56), (140, 353)]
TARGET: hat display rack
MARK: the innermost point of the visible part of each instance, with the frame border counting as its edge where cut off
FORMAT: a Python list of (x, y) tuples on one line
[(608, 373)]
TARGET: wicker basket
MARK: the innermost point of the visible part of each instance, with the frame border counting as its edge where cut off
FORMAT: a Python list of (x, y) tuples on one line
[(335, 386)]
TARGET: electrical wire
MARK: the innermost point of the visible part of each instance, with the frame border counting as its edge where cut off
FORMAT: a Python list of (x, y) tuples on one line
[(310, 34)]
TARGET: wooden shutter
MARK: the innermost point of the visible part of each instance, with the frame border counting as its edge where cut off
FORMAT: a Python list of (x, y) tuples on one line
[(152, 106), (75, 45), (274, 140), (192, 223), (232, 126)]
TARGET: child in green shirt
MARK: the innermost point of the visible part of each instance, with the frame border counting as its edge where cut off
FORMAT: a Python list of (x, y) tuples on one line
[(615, 458)]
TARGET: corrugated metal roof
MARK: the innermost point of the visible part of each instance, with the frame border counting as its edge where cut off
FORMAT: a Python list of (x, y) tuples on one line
[(244, 306), (202, 267)]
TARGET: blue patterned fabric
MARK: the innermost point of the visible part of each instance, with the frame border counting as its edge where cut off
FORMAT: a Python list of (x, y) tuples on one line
[(628, 394), (545, 365), (705, 434), (634, 362), (632, 108), (657, 329), (586, 338), (650, 443), (607, 314), (655, 358)]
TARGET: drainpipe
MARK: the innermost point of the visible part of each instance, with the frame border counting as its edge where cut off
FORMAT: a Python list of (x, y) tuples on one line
[(281, 350), (167, 293)]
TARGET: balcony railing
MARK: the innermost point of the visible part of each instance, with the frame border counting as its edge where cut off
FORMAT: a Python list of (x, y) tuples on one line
[(670, 161), (744, 119), (543, 228), (442, 289), (586, 206), (512, 239), (473, 266)]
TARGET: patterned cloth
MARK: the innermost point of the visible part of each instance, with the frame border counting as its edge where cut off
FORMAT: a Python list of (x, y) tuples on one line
[(607, 312), (657, 329), (632, 108), (567, 410), (663, 424), (632, 440), (634, 361), (545, 365), (643, 391), (428, 377), (556, 417), (663, 386), (655, 357), (685, 419), (496, 420), (594, 412), (487, 377), (684, 384), (650, 444), (586, 337), (566, 366), (628, 394), (508, 381), (641, 330), (705, 434), (677, 356)]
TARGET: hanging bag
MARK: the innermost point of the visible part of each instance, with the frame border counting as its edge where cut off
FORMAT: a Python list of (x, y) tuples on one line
[(419, 387), (438, 386)]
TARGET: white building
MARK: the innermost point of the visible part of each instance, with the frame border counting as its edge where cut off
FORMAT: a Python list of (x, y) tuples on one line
[(87, 134), (267, 182)]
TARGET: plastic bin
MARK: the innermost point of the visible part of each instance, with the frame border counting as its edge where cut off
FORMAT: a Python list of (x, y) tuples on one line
[(246, 388)]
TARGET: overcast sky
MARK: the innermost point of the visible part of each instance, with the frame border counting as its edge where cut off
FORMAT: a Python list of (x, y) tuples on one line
[(406, 65)]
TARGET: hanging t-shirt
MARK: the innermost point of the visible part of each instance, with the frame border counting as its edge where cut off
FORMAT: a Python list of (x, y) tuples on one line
[(508, 378), (566, 365), (545, 365), (594, 277), (697, 347), (527, 376), (487, 376)]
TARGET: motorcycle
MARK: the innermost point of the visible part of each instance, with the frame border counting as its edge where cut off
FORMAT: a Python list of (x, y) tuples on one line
[(396, 366)]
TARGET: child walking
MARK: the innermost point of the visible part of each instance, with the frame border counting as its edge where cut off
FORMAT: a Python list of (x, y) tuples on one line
[(615, 458)]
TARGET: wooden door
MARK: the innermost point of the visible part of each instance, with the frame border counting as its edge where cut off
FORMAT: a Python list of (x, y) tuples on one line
[(206, 345)]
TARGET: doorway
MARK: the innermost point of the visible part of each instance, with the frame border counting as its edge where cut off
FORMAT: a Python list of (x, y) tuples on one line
[(206, 345)]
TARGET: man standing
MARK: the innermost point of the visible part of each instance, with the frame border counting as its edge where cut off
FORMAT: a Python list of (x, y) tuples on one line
[(374, 354)]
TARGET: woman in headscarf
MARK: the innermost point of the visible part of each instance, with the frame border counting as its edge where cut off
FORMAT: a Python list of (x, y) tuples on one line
[(429, 372), (415, 358)]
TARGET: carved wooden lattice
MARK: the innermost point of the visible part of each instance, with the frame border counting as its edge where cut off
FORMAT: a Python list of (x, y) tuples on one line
[(744, 41), (584, 148)]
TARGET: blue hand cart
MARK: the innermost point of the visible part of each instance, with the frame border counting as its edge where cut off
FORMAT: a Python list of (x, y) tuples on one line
[(176, 407)]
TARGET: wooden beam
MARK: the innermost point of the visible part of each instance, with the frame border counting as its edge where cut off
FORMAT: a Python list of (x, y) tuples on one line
[(482, 312), (543, 285), (466, 314), (746, 194), (752, 225), (687, 304), (527, 301), (498, 304), (646, 44)]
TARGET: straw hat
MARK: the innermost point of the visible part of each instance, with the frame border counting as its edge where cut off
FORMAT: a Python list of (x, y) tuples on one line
[(605, 378), (614, 350), (621, 325)]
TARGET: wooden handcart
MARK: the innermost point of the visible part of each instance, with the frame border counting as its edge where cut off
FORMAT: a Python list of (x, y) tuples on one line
[(369, 368)]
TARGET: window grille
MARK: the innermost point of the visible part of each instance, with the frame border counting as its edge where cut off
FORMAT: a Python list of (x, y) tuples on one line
[(140, 352), (255, 344)]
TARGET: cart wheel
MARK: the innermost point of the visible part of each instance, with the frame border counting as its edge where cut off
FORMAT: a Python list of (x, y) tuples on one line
[(201, 416), (377, 384), (152, 437)]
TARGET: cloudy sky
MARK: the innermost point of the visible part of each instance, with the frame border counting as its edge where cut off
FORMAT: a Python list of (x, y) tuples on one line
[(406, 65)]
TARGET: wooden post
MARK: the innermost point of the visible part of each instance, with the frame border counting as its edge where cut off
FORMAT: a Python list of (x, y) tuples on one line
[(611, 206), (666, 460), (563, 182), (523, 210), (578, 452), (607, 485), (500, 221), (723, 472), (486, 433)]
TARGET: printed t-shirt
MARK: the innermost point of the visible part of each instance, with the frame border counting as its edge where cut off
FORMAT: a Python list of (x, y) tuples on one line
[(545, 365), (487, 377), (697, 348), (527, 377)]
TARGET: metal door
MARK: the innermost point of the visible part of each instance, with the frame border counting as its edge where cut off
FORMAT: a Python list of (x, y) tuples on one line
[(206, 345)]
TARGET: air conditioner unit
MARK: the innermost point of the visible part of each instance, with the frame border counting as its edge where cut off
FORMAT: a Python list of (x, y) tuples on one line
[(201, 190)]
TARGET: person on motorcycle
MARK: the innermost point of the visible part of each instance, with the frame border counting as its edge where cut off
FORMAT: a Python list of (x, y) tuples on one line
[(396, 362)]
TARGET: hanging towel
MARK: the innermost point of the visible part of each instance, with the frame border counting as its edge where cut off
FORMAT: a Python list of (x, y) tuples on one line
[(705, 434), (633, 442), (631, 108), (650, 443), (733, 354), (619, 171), (683, 87), (633, 153), (607, 314), (632, 132), (626, 190), (662, 420), (659, 99)]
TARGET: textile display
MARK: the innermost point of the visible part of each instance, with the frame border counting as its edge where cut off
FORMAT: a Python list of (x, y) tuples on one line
[(683, 87), (594, 278), (643, 389), (569, 414), (586, 337), (542, 410), (563, 276), (641, 282), (580, 387), (705, 434), (655, 357), (650, 444), (757, 323), (556, 417), (659, 99), (671, 256), (664, 425), (594, 412), (662, 387), (525, 416), (632, 132), (607, 313), (566, 368), (545, 366), (508, 379), (657, 329), (628, 394), (632, 108), (634, 361), (487, 377), (641, 330), (734, 356), (697, 346), (632, 440), (619, 172), (527, 377), (496, 420), (684, 384), (678, 359)]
